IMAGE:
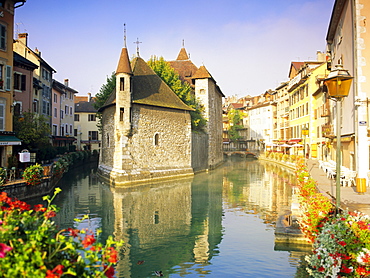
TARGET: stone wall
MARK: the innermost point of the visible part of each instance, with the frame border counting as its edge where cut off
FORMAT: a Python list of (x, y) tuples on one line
[(199, 151), (157, 146), (208, 94)]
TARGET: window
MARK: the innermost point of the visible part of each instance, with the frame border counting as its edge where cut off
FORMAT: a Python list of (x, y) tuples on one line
[(66, 109), (77, 117), (62, 130), (35, 106), (70, 129), (2, 37), (61, 114), (122, 84), (45, 107), (17, 108), (93, 135), (70, 110), (19, 81), (121, 113), (55, 130), (91, 118), (45, 74), (156, 139), (55, 112), (55, 98), (75, 132)]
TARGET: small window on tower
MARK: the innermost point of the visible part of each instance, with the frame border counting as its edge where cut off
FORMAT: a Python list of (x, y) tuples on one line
[(121, 113), (122, 84), (156, 139)]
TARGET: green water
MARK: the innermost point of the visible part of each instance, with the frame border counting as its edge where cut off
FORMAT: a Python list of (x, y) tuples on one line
[(216, 224)]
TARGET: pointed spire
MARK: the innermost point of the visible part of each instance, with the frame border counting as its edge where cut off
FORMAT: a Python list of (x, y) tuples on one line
[(124, 35), (124, 65)]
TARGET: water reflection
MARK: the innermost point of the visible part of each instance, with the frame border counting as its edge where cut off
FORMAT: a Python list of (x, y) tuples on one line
[(217, 224)]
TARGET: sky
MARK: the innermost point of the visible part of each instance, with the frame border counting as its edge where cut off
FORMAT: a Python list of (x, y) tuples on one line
[(246, 45)]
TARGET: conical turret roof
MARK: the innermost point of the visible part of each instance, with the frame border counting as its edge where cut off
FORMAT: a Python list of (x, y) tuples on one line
[(124, 65), (182, 55), (202, 73)]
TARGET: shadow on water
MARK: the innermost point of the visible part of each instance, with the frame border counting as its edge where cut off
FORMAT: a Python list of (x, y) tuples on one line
[(216, 224)]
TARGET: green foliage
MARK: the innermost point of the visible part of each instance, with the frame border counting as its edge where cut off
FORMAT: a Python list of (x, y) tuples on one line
[(32, 129), (235, 119), (33, 174), (46, 152), (32, 246), (181, 89), (101, 97)]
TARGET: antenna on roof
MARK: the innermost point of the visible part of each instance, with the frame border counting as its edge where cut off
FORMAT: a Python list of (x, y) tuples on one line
[(137, 47), (124, 34), (183, 43)]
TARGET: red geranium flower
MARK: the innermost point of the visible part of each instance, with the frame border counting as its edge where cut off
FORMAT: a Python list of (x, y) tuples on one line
[(88, 240), (109, 271)]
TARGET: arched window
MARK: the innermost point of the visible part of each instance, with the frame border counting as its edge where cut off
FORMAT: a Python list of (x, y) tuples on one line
[(156, 139)]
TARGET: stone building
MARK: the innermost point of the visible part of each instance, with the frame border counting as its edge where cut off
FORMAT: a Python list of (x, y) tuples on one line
[(210, 96), (146, 128)]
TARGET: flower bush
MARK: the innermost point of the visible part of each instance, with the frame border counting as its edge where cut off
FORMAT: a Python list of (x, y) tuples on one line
[(314, 206), (32, 246), (342, 248), (33, 174)]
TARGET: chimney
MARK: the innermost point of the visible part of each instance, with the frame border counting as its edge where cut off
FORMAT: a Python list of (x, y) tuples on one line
[(89, 97), (37, 52), (23, 38), (321, 57), (66, 82)]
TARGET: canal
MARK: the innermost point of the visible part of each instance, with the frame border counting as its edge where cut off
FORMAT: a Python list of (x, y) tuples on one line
[(216, 224)]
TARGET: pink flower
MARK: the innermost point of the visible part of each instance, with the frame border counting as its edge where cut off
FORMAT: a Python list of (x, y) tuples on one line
[(4, 249)]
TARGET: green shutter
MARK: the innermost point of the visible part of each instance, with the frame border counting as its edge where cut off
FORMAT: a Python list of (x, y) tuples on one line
[(8, 78)]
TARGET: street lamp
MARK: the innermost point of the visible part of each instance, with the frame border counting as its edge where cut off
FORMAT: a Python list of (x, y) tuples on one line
[(338, 83), (304, 133)]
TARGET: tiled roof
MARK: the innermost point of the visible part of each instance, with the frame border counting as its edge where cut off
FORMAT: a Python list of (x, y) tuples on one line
[(62, 88), (23, 62), (124, 62), (85, 106), (150, 89), (185, 69), (202, 73), (182, 55)]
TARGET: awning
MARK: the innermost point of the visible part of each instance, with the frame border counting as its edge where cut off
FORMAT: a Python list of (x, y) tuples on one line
[(294, 141), (9, 140), (63, 138)]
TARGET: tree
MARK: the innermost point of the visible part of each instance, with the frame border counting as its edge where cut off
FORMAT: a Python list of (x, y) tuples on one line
[(105, 91), (101, 97), (182, 89), (32, 129), (235, 117)]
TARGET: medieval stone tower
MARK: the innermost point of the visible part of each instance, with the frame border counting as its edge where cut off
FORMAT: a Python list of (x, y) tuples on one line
[(210, 96), (146, 128)]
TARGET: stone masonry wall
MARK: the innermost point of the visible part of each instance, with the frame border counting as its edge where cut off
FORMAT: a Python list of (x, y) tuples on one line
[(173, 131)]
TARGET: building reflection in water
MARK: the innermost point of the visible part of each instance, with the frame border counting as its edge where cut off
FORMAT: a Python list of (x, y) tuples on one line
[(175, 226)]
